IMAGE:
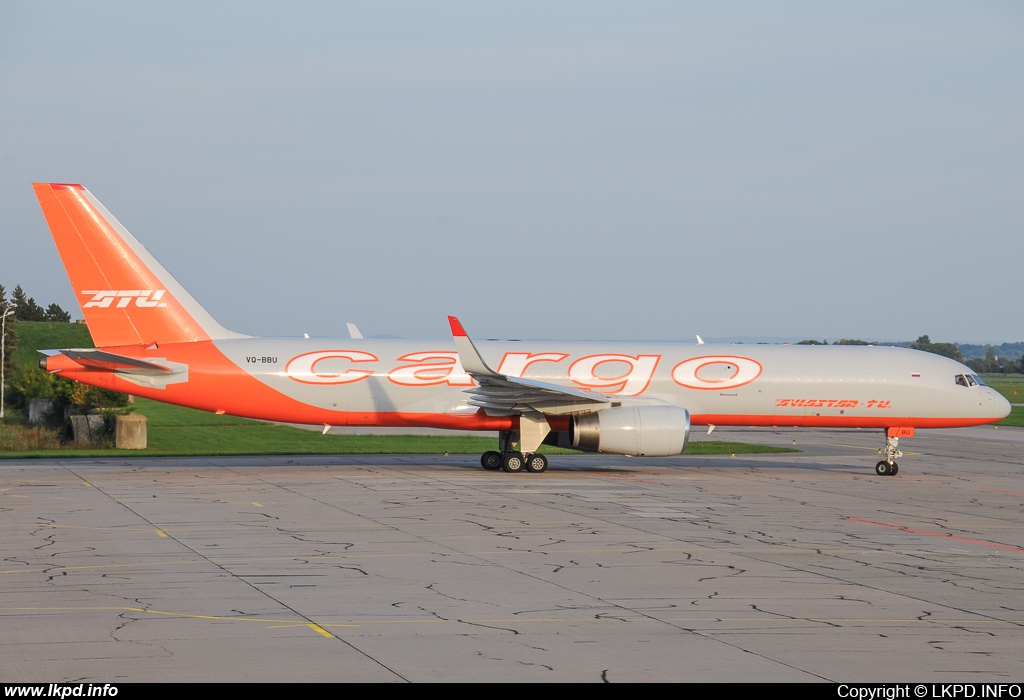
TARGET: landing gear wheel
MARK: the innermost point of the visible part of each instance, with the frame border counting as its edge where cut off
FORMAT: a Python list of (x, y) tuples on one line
[(491, 460), (894, 469), (883, 468), (535, 464), (513, 462)]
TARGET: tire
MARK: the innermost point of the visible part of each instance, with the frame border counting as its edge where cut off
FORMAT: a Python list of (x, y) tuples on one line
[(513, 462), (535, 464), (882, 468), (491, 460)]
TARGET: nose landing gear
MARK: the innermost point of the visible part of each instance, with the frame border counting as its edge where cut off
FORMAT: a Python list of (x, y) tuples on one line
[(891, 452)]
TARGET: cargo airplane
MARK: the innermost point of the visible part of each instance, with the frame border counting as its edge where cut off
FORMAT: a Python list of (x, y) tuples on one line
[(153, 339)]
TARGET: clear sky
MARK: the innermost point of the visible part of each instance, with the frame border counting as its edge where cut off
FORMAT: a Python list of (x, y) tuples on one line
[(642, 170)]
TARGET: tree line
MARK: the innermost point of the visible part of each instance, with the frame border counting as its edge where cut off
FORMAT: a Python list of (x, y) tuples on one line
[(28, 310), (990, 363), (33, 382)]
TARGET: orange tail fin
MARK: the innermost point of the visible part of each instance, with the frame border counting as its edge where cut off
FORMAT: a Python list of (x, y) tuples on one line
[(126, 296)]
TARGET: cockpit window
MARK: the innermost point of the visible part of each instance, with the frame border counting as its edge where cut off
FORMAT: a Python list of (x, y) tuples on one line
[(969, 380)]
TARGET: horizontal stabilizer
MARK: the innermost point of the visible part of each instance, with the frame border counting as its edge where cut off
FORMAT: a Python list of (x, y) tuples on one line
[(112, 362)]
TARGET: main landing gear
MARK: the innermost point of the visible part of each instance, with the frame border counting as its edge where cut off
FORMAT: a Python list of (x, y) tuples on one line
[(888, 466), (511, 461), (514, 462)]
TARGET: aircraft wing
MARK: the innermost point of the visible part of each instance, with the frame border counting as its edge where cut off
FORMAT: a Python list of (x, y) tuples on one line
[(499, 394)]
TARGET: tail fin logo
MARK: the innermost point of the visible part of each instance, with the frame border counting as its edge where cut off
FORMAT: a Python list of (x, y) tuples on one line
[(104, 298)]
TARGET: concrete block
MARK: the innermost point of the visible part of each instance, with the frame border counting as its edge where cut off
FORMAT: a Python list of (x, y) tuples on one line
[(131, 432), (39, 410), (80, 430)]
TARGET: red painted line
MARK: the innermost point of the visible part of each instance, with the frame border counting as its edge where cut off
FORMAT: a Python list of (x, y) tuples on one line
[(939, 534), (1014, 493), (620, 476)]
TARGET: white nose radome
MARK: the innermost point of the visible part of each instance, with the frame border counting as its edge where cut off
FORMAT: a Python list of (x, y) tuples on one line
[(1000, 406)]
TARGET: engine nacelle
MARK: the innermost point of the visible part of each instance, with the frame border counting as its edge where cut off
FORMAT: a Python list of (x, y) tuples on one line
[(655, 431)]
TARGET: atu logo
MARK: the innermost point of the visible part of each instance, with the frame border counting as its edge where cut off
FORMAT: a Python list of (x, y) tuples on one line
[(144, 298), (715, 372)]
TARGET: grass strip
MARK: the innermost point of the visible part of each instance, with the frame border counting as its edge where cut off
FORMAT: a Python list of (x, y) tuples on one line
[(178, 431)]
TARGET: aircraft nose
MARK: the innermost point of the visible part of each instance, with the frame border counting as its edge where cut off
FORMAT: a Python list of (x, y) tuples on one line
[(1000, 406)]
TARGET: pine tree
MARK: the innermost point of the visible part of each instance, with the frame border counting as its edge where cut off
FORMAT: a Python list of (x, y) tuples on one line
[(18, 297), (28, 309), (55, 313)]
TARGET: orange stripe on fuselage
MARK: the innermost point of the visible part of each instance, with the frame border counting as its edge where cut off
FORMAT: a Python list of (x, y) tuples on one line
[(725, 419)]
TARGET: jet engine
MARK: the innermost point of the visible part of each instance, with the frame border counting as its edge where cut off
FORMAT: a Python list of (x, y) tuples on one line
[(655, 431)]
